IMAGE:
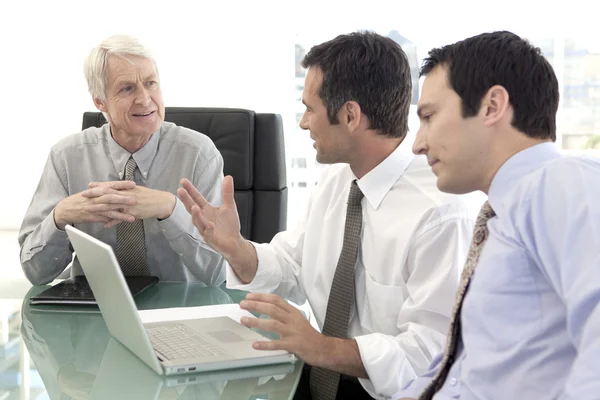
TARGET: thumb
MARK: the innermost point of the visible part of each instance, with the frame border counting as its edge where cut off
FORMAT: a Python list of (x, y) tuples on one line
[(228, 199)]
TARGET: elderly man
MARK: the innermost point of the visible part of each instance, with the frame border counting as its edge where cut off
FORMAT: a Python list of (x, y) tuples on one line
[(118, 182)]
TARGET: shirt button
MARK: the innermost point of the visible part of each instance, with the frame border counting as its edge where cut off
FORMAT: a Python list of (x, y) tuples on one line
[(453, 381), (180, 254)]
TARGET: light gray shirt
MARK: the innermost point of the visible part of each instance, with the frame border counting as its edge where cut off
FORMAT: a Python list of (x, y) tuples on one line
[(174, 248)]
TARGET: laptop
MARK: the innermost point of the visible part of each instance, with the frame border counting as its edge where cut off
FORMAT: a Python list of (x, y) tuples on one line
[(76, 291), (122, 376), (173, 347)]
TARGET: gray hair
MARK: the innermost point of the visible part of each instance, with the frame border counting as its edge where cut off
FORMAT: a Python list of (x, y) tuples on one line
[(96, 63)]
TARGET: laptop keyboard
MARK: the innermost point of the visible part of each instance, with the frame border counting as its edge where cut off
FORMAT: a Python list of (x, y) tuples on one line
[(178, 341)]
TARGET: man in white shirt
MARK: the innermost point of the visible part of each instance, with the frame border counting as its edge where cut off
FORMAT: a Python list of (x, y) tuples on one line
[(413, 238)]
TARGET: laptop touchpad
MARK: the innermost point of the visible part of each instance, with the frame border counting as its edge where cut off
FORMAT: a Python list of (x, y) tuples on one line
[(226, 336)]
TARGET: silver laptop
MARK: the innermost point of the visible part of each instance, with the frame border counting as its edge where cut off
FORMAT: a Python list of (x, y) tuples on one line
[(173, 347), (122, 376)]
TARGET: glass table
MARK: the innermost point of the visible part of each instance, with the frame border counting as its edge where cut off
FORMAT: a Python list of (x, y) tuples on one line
[(45, 354)]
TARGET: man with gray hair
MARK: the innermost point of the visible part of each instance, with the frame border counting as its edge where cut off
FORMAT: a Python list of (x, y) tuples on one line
[(118, 182)]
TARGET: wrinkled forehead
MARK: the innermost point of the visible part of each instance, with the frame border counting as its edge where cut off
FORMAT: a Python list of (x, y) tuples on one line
[(130, 68)]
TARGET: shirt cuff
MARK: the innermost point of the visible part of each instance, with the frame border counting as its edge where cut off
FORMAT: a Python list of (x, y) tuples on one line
[(385, 363), (268, 275), (55, 236), (178, 223)]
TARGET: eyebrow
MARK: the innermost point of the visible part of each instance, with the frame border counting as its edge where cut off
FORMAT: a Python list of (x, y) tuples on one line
[(129, 82)]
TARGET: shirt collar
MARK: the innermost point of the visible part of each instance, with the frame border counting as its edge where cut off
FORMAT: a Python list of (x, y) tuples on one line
[(143, 157), (378, 182), (518, 166)]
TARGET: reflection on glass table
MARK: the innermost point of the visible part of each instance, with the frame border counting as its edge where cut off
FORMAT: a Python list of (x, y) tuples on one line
[(77, 358)]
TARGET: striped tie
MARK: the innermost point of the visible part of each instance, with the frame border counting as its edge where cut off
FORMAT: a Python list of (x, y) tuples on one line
[(131, 243), (323, 382)]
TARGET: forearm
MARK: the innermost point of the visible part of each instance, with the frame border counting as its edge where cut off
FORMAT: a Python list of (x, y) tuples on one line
[(343, 356), (45, 251), (244, 262)]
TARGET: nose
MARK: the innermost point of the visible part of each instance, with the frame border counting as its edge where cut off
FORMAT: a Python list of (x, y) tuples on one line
[(304, 122), (142, 96), (420, 145)]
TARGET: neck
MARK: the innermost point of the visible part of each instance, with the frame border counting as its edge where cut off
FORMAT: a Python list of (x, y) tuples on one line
[(129, 142), (370, 152), (504, 149)]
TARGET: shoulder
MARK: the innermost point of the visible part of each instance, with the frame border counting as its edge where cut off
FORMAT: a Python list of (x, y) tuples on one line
[(440, 205), (74, 142), (182, 138), (559, 183)]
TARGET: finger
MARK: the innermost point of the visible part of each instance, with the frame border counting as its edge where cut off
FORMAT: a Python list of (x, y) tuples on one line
[(118, 216), (119, 199), (228, 191), (117, 185), (272, 299), (265, 308), (186, 199), (266, 324), (96, 208), (204, 226), (194, 193), (99, 191), (271, 345)]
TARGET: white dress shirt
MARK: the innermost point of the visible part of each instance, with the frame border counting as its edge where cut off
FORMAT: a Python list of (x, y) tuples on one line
[(414, 242)]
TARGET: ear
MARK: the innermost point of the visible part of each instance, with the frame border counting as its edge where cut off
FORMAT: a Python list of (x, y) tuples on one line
[(495, 105), (350, 115), (100, 104)]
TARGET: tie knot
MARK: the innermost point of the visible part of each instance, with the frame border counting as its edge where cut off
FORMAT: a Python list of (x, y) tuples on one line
[(129, 169), (355, 196)]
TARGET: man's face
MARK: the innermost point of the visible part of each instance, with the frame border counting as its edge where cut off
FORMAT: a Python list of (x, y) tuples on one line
[(331, 142), (134, 101), (456, 147)]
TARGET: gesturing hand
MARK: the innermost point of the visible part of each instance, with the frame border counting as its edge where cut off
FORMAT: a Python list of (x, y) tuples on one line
[(219, 226)]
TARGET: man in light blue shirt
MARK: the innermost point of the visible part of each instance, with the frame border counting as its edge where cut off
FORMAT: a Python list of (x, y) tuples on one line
[(530, 320)]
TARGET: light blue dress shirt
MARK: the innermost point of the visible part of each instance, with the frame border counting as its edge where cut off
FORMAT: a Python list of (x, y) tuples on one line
[(531, 316)]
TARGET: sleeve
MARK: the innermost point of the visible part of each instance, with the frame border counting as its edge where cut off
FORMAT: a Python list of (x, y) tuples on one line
[(435, 261), (280, 261), (45, 249), (202, 261), (564, 219)]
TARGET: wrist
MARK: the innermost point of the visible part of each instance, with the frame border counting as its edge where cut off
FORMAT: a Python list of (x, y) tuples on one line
[(169, 204), (59, 221), (243, 260)]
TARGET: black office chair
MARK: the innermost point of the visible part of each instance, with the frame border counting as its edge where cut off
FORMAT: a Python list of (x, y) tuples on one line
[(253, 152)]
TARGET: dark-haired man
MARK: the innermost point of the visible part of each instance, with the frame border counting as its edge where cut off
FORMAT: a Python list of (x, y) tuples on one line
[(380, 250), (527, 317)]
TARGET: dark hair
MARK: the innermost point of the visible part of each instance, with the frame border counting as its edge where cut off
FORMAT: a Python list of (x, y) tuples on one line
[(370, 69), (502, 58)]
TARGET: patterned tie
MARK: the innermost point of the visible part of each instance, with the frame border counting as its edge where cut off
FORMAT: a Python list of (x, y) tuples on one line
[(131, 243), (324, 383), (480, 235)]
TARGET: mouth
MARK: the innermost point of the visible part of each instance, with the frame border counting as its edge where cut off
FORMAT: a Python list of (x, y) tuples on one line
[(144, 115), (432, 162)]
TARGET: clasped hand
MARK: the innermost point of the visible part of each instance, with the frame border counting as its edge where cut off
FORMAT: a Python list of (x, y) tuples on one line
[(113, 203)]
